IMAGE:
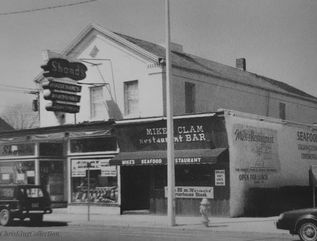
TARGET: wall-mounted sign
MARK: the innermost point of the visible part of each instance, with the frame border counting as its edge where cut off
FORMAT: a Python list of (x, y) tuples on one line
[(220, 178), (205, 132), (192, 192), (62, 68)]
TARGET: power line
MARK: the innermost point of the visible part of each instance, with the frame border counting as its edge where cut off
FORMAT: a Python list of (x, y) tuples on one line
[(31, 92), (46, 8), (16, 87)]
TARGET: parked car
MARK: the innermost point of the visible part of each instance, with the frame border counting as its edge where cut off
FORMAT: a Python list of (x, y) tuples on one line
[(302, 222), (23, 201)]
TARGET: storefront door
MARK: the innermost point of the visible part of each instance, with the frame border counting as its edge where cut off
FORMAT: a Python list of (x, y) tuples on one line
[(135, 190)]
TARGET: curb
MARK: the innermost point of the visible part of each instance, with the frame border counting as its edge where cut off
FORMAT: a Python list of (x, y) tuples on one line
[(253, 225)]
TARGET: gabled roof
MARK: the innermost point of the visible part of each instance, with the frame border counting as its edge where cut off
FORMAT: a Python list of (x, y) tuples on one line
[(194, 63), (188, 62)]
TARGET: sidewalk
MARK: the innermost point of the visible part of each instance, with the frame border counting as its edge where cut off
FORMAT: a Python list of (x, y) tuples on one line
[(264, 225)]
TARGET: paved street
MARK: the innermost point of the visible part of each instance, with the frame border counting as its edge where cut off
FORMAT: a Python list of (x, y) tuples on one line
[(61, 231)]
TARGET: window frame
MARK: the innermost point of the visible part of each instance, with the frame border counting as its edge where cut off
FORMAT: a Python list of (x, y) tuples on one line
[(93, 104), (282, 111), (128, 99), (190, 97)]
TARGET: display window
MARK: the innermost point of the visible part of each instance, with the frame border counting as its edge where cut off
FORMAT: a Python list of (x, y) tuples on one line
[(96, 144), (22, 172), (95, 181), (21, 149), (51, 149), (52, 177)]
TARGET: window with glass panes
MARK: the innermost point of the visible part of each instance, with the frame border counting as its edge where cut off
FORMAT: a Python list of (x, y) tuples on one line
[(131, 97), (97, 102), (189, 97)]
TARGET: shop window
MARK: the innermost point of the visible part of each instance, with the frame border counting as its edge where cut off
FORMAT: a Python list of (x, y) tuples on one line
[(103, 187), (131, 97), (97, 103), (51, 149), (282, 111), (22, 172), (52, 178), (99, 144), (189, 97), (193, 175), (24, 149)]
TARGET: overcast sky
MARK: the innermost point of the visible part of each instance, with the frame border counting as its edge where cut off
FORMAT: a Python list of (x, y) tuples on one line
[(278, 38)]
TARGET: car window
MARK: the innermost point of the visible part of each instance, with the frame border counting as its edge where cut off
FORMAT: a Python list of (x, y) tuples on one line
[(34, 192), (6, 193)]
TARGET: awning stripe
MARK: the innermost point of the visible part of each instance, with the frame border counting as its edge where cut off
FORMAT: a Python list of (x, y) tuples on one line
[(195, 156)]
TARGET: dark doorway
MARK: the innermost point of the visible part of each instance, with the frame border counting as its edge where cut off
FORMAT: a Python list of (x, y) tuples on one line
[(135, 188)]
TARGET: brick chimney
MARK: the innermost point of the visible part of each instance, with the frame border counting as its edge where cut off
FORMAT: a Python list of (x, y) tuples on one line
[(241, 64)]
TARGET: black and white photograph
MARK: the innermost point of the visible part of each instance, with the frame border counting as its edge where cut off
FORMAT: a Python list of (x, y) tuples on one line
[(158, 120)]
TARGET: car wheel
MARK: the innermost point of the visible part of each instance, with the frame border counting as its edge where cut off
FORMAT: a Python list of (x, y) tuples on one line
[(36, 218), (5, 217), (308, 231)]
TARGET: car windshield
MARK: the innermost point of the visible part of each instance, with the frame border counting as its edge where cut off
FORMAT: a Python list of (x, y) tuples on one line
[(33, 192), (6, 193)]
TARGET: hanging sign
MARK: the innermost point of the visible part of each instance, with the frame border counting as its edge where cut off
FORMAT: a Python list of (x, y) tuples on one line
[(62, 68)]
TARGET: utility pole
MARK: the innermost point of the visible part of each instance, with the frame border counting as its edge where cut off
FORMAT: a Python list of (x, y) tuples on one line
[(88, 190), (170, 126)]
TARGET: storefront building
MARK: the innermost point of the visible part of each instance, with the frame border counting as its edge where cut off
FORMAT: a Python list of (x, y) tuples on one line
[(61, 159), (201, 159), (244, 164)]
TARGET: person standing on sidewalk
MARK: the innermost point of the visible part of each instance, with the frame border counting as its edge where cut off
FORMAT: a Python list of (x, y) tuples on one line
[(203, 209)]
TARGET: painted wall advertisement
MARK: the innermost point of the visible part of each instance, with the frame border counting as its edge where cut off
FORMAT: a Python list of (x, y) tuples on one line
[(267, 153), (256, 150), (260, 149)]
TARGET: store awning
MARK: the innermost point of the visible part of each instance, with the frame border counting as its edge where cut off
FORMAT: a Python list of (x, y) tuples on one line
[(194, 156)]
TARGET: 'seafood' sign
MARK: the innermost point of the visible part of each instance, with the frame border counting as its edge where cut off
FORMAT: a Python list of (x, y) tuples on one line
[(192, 192)]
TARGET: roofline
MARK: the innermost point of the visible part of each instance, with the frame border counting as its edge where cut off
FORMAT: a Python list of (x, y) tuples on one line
[(151, 119), (287, 93), (155, 58), (266, 118)]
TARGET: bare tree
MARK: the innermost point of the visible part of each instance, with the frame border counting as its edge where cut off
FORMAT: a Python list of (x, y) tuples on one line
[(21, 116)]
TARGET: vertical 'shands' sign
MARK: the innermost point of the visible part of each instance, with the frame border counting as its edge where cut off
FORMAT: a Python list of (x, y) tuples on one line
[(63, 96)]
